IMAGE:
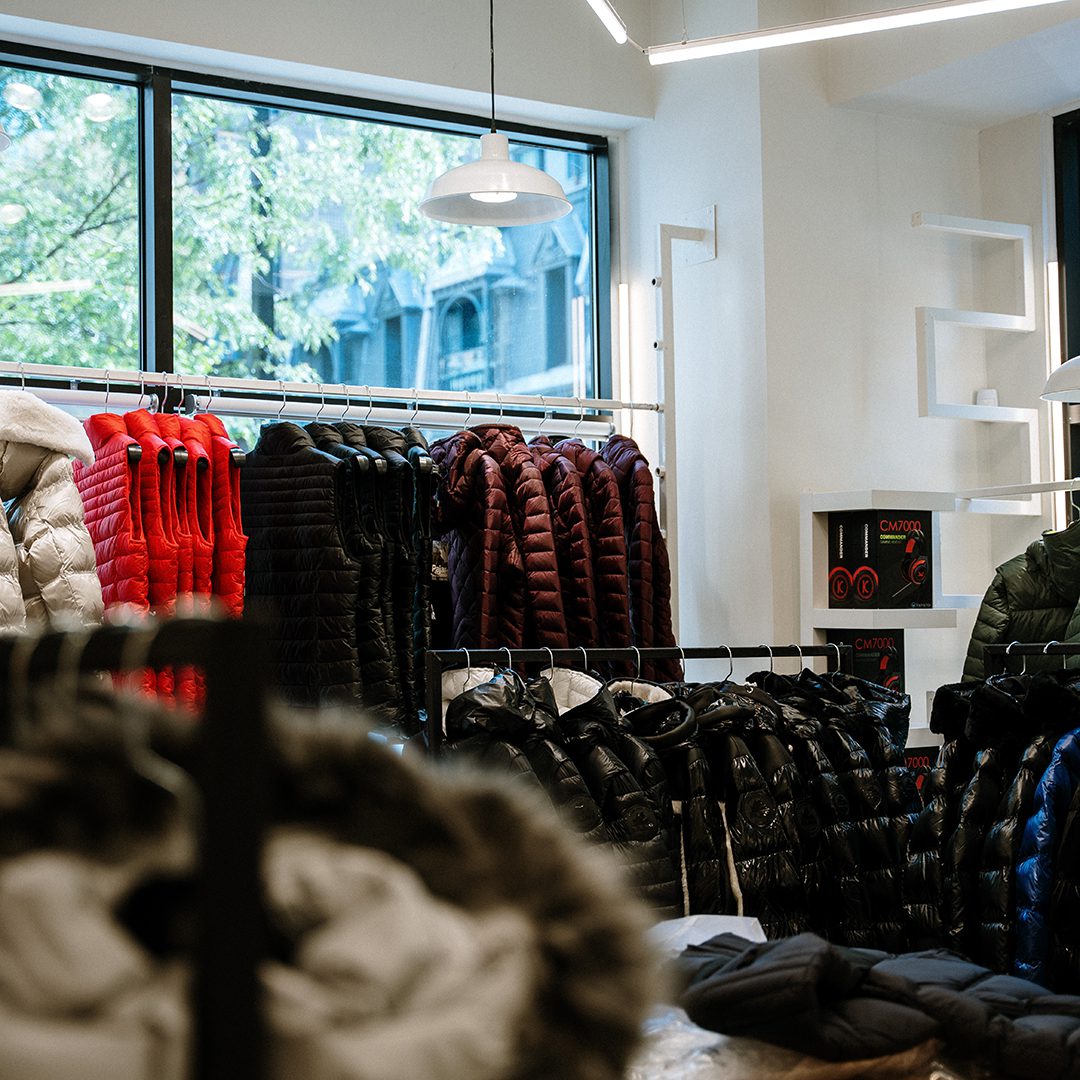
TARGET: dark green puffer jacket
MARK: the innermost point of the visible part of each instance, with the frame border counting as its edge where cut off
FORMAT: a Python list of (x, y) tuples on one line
[(1033, 597)]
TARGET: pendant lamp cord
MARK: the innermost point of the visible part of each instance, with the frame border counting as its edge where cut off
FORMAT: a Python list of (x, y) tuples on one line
[(491, 39)]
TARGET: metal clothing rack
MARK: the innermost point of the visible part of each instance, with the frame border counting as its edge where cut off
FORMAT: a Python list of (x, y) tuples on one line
[(995, 656), (233, 782), (436, 661)]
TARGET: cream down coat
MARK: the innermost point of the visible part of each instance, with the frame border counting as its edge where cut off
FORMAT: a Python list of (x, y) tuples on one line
[(47, 568)]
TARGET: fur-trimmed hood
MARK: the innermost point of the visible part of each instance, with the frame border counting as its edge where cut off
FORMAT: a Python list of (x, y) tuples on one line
[(25, 418)]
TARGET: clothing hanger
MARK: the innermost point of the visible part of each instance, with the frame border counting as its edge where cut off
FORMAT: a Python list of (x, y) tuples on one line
[(637, 653), (1046, 650), (1023, 660), (731, 663), (798, 649), (768, 649)]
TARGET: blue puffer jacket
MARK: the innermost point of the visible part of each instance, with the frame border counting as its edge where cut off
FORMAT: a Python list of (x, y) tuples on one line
[(1035, 870)]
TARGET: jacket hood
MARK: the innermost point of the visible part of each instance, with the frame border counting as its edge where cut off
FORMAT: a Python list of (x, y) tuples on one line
[(25, 418), (1058, 554), (499, 440), (283, 438), (458, 457)]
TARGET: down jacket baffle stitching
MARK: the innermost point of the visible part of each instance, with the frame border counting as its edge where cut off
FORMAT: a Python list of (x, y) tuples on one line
[(200, 503), (1035, 596), (610, 565), (297, 560), (419, 455), (649, 569), (378, 675), (1038, 850), (230, 541), (1049, 709), (530, 517), (109, 487), (1065, 906), (485, 564), (573, 543), (47, 567)]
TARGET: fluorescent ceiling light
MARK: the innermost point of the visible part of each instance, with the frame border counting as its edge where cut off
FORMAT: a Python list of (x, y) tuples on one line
[(827, 29), (610, 18)]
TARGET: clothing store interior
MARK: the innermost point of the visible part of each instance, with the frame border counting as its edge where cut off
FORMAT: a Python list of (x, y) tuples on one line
[(540, 541)]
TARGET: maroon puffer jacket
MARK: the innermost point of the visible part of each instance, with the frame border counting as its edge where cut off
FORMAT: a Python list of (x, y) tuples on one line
[(573, 542), (610, 572), (530, 514), (486, 568), (650, 572)]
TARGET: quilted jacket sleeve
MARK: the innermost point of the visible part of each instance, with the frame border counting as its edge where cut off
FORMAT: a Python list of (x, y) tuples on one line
[(55, 549), (991, 627)]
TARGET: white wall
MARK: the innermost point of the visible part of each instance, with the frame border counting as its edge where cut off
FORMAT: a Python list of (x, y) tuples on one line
[(704, 147)]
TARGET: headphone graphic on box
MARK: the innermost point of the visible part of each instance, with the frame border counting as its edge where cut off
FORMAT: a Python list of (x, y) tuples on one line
[(886, 678), (913, 564)]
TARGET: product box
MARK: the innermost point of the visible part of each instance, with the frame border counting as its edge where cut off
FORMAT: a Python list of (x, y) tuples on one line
[(880, 559), (877, 655)]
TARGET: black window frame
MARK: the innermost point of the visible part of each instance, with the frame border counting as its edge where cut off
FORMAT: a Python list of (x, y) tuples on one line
[(157, 84), (1067, 212)]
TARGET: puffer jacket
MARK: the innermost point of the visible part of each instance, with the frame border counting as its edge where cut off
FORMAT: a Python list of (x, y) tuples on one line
[(1033, 597), (996, 727), (1065, 906), (300, 564), (230, 541), (852, 1004), (486, 570), (47, 568), (610, 566), (649, 569), (1050, 709), (419, 455), (199, 497), (109, 487), (626, 789), (669, 726), (504, 716), (399, 531), (378, 673), (157, 485), (1038, 854), (530, 517), (168, 427), (573, 542)]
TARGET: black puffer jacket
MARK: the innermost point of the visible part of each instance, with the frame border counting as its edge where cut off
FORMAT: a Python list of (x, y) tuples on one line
[(381, 690), (637, 825), (868, 859), (398, 523), (669, 726), (301, 563), (847, 1004), (1050, 708), (995, 726), (764, 853), (424, 478)]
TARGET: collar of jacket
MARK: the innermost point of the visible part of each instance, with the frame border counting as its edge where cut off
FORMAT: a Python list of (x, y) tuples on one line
[(458, 457), (25, 418), (502, 440), (283, 438), (1057, 554)]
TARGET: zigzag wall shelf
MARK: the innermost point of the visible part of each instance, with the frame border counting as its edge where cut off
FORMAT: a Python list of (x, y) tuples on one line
[(927, 318)]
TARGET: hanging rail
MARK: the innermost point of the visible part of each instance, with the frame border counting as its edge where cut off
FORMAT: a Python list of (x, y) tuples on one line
[(995, 656), (233, 784), (436, 661)]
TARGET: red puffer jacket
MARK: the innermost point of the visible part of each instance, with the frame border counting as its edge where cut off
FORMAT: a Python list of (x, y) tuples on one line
[(200, 507), (230, 543), (650, 572), (486, 568), (110, 494), (573, 542), (168, 427), (530, 514), (157, 497), (610, 570)]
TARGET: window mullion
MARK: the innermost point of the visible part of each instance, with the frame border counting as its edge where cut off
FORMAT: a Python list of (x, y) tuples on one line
[(156, 250)]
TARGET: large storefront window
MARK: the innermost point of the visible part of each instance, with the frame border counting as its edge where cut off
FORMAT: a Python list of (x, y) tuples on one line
[(69, 221), (300, 254)]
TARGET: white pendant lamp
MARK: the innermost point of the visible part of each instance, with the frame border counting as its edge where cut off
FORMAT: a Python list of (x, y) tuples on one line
[(495, 190), (1064, 382)]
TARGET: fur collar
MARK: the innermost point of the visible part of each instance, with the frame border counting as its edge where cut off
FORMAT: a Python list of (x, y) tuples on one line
[(25, 418)]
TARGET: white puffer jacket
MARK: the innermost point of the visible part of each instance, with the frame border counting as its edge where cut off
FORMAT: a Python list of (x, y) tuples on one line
[(47, 568)]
